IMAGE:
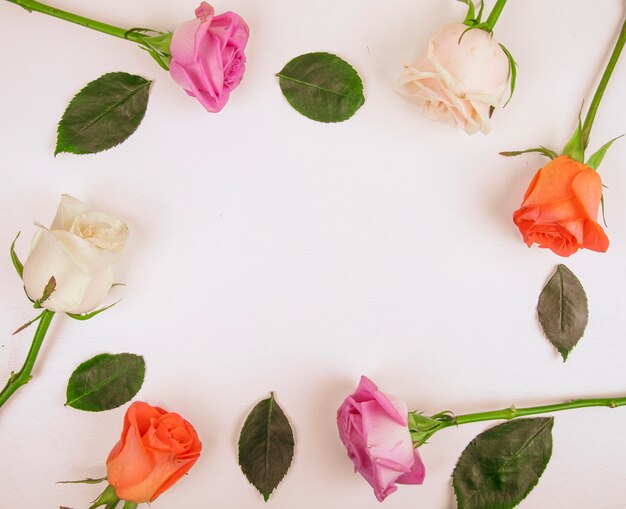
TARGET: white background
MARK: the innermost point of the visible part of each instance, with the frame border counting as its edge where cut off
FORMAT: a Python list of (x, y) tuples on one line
[(269, 252)]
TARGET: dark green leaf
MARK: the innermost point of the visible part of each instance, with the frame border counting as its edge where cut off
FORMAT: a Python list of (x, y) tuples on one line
[(575, 147), (19, 268), (512, 71), (105, 381), (562, 310), (322, 87), (266, 446), (503, 464), (103, 114), (88, 316), (596, 159), (84, 481), (542, 150)]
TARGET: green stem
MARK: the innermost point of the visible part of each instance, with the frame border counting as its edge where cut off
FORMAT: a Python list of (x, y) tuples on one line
[(32, 5), (495, 13), (597, 98), (22, 377), (514, 413)]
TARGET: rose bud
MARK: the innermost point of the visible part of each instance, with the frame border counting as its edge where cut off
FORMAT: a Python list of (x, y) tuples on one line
[(208, 58), (560, 208), (156, 449), (459, 79), (374, 428), (79, 251)]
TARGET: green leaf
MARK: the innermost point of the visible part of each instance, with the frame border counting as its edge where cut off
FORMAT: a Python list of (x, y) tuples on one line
[(88, 316), (596, 159), (503, 464), (512, 71), (19, 267), (575, 147), (322, 87), (542, 150), (266, 446), (103, 114), (105, 381), (562, 310)]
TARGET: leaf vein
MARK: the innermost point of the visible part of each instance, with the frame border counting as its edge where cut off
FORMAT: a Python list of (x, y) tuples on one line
[(104, 382), (106, 112), (512, 458), (312, 85)]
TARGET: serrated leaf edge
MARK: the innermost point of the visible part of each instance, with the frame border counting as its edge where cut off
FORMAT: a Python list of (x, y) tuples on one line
[(549, 422), (59, 150)]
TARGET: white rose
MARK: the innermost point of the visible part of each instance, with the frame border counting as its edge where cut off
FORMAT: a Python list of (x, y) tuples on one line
[(458, 82), (79, 250)]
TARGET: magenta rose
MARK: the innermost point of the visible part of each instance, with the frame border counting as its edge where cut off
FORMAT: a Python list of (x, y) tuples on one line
[(208, 58), (374, 428)]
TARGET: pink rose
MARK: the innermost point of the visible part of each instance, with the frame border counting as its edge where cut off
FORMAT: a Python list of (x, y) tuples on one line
[(374, 428), (208, 58)]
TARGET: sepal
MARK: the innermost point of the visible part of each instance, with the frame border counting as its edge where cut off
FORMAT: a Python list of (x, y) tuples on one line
[(84, 481), (88, 316), (512, 72), (28, 324), (541, 149), (47, 291), (422, 427), (19, 267), (108, 498), (575, 147), (157, 45), (471, 19), (596, 158)]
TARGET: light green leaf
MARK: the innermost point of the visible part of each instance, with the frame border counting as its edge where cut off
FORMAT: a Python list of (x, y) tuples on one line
[(103, 114), (19, 267), (105, 381), (562, 309), (502, 465), (542, 150), (322, 87), (575, 147), (596, 159), (266, 446)]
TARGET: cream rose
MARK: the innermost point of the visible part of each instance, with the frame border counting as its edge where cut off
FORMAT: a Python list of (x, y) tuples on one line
[(458, 81), (79, 251)]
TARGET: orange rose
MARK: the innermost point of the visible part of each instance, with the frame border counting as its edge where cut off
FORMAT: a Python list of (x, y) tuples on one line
[(156, 449), (560, 208)]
